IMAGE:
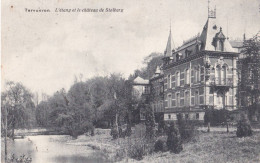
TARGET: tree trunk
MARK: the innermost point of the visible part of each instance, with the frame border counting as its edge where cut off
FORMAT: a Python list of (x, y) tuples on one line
[(5, 135), (13, 131), (208, 126), (227, 127)]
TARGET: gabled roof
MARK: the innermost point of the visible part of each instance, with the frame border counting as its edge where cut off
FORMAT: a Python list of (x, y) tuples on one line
[(169, 46), (139, 80), (209, 32)]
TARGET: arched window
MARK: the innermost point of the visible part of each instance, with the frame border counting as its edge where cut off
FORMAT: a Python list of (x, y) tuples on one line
[(224, 74), (218, 75)]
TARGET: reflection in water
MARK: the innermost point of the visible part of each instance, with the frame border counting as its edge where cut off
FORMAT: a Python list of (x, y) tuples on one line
[(53, 149)]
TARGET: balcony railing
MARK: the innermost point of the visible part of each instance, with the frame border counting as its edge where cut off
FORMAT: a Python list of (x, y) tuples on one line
[(221, 82)]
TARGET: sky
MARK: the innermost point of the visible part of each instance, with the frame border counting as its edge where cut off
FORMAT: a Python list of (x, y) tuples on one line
[(45, 51)]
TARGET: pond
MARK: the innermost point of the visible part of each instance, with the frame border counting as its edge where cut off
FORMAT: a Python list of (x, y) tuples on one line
[(53, 149)]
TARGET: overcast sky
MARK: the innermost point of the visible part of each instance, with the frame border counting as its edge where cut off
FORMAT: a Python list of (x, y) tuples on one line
[(45, 51)]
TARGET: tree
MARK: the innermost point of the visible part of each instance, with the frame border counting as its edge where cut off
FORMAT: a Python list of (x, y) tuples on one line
[(150, 123), (174, 143), (244, 128), (249, 73), (17, 100)]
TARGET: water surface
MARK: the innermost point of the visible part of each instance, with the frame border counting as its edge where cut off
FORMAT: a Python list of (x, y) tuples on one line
[(54, 149)]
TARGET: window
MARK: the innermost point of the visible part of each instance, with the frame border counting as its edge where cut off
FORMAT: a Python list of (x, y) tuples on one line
[(195, 76), (187, 76), (177, 78), (169, 116), (198, 74), (196, 97), (169, 81), (224, 74), (146, 90), (169, 100), (221, 73), (218, 75), (221, 46), (187, 98), (177, 99), (197, 116)]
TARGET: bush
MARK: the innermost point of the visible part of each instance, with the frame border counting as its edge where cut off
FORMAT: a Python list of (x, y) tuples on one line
[(160, 145), (138, 149), (21, 159), (174, 143), (114, 133), (161, 126), (150, 123), (244, 128), (186, 129), (216, 117)]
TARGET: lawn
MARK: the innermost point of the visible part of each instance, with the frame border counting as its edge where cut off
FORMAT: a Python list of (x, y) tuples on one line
[(214, 147)]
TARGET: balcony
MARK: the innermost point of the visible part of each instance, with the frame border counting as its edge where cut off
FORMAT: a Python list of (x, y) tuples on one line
[(228, 82)]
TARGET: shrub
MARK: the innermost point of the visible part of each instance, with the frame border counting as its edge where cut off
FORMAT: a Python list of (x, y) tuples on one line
[(114, 133), (150, 123), (186, 128), (174, 143), (21, 159), (160, 145), (128, 130), (244, 128), (138, 149), (216, 117), (161, 126)]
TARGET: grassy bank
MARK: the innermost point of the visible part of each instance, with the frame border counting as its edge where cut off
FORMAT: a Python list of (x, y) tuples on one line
[(217, 146), (214, 147)]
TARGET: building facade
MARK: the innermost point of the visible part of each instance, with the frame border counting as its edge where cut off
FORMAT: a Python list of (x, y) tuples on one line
[(200, 74), (157, 94)]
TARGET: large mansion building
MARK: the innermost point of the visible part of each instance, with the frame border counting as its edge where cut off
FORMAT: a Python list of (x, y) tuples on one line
[(200, 74)]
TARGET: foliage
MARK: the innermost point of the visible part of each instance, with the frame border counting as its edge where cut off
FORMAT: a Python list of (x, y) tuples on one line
[(89, 104), (20, 109), (160, 145), (174, 143), (253, 111), (216, 117), (150, 123), (161, 126), (139, 148), (186, 128), (21, 159), (249, 72), (114, 133), (244, 128), (151, 62)]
